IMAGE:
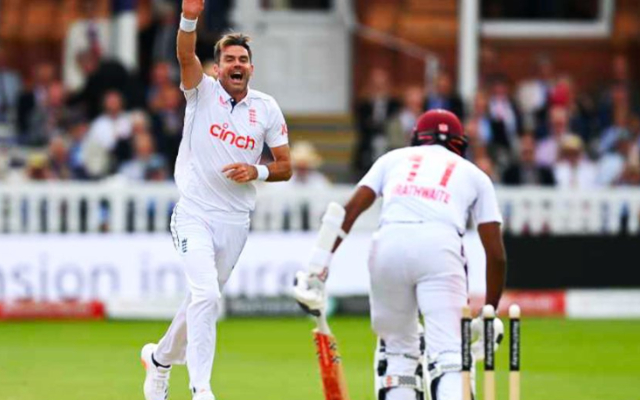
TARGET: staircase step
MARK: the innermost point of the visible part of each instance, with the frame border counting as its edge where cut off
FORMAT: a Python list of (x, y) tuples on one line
[(333, 136)]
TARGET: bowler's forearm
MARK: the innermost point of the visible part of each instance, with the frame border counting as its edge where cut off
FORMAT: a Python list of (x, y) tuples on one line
[(187, 48), (279, 171)]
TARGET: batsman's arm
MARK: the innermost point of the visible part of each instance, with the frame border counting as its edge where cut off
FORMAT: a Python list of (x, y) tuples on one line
[(491, 237), (191, 71), (360, 202)]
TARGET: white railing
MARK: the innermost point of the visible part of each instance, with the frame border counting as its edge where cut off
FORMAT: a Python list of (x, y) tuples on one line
[(120, 207)]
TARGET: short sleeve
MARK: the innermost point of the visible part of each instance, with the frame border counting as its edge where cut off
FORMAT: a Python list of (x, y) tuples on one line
[(486, 207), (374, 179), (206, 87), (277, 132)]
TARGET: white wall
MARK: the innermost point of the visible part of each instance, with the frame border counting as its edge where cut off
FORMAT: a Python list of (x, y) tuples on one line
[(303, 59)]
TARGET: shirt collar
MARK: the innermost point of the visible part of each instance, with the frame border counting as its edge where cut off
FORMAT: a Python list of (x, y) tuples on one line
[(225, 97)]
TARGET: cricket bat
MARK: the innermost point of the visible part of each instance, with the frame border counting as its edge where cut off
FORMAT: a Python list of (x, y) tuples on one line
[(334, 384)]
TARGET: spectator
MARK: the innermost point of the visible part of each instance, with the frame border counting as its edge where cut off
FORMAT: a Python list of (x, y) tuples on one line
[(306, 178), (10, 86), (102, 77), (113, 124), (620, 77), (506, 119), (99, 148), (634, 131), (58, 154), (574, 170), (617, 100), (631, 175), (476, 148), (618, 128), (401, 126), (144, 152), (482, 119), (167, 122), (157, 170), (306, 161), (612, 165), (33, 101), (124, 149), (580, 109), (210, 69), (51, 118), (371, 116), (548, 148), (164, 40), (486, 165), (215, 22), (161, 76), (525, 171), (90, 33), (77, 133), (444, 96), (38, 167), (533, 94)]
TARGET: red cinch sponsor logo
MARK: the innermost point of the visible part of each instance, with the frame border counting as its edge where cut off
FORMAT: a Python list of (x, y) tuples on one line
[(427, 193), (223, 133)]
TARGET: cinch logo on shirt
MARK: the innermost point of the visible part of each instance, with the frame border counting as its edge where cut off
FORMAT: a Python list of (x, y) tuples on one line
[(241, 142)]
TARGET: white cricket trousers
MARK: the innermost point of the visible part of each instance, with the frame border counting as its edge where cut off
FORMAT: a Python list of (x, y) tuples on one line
[(419, 267), (209, 250)]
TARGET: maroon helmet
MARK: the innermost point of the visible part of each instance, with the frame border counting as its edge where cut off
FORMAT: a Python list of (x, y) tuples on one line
[(440, 127)]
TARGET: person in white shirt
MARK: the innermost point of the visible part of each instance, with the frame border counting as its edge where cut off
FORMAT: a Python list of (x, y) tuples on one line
[(113, 124), (91, 32), (417, 261), (226, 126), (574, 169)]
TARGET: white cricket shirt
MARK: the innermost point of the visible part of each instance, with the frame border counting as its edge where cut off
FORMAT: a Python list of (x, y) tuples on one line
[(217, 134), (432, 184)]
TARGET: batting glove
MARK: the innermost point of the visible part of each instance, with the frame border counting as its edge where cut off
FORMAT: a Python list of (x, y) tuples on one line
[(309, 291), (477, 336)]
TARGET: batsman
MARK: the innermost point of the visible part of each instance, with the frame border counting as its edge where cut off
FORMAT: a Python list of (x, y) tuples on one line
[(417, 261)]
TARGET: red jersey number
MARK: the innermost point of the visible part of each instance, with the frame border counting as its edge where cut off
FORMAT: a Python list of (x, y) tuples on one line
[(447, 173)]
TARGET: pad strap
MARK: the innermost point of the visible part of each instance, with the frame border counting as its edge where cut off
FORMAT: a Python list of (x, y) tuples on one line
[(436, 370), (401, 381)]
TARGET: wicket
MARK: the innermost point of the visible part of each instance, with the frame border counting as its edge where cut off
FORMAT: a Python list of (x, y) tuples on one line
[(489, 314)]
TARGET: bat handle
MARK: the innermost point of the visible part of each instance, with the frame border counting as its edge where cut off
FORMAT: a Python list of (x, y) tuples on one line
[(322, 324)]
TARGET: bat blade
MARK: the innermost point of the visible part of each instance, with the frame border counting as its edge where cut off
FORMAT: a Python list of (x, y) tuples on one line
[(333, 380)]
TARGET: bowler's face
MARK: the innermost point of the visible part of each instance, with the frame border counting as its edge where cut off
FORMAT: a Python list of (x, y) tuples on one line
[(235, 69)]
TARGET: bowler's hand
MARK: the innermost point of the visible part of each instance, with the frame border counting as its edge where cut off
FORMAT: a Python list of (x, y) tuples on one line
[(191, 9), (240, 172)]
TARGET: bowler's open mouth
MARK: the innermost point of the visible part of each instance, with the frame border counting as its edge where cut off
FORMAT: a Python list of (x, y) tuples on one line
[(236, 77)]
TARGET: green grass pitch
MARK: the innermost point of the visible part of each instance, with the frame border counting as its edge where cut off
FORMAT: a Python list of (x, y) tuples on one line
[(273, 359)]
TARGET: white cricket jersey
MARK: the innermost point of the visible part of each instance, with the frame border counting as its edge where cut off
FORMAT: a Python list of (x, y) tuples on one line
[(217, 134), (432, 184)]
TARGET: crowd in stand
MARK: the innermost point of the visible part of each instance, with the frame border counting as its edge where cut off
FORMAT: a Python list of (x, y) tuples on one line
[(90, 117), (545, 130)]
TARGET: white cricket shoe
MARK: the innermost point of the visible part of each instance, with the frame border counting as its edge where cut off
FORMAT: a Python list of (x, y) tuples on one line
[(156, 383), (204, 396)]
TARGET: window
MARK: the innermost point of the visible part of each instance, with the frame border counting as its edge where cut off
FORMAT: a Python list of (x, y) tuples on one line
[(302, 5), (562, 10), (546, 18)]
